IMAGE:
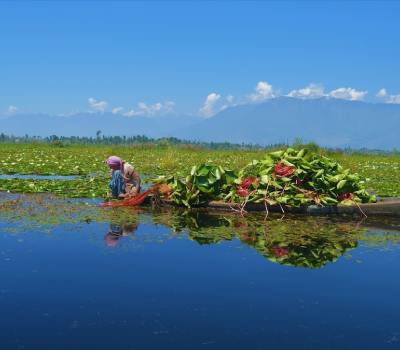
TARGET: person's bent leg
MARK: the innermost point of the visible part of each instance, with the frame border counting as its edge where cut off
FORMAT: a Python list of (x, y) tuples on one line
[(117, 184)]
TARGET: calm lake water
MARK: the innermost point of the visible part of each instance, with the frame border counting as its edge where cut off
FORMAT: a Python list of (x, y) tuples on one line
[(73, 276)]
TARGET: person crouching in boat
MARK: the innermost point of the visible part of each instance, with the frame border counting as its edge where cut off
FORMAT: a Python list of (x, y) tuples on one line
[(125, 181)]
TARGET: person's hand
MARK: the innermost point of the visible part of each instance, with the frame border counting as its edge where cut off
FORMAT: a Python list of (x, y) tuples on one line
[(134, 192)]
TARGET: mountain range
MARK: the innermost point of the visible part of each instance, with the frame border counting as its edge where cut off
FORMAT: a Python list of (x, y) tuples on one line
[(326, 121)]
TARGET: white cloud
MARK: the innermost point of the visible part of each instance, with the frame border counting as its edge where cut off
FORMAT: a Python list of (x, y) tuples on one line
[(263, 91), (12, 110), (97, 106), (381, 93), (150, 110), (229, 102), (348, 94), (210, 105), (392, 99), (117, 110), (308, 92), (133, 113), (317, 91), (230, 99), (215, 103)]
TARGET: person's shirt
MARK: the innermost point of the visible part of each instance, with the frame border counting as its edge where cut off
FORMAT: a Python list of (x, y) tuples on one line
[(129, 174)]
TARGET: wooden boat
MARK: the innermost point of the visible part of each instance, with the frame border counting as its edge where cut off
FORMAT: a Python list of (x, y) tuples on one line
[(384, 207)]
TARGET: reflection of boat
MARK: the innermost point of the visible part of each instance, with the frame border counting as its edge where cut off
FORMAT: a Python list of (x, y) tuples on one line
[(384, 207)]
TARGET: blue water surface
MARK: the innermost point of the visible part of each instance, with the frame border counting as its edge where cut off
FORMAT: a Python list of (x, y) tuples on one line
[(74, 288)]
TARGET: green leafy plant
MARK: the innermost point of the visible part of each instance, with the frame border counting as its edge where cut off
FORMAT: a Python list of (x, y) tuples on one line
[(285, 177), (204, 183), (297, 178)]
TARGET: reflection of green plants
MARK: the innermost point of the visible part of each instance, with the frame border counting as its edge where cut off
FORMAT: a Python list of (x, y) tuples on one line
[(306, 242), (201, 227), (297, 241), (313, 256), (316, 252), (313, 243), (50, 211)]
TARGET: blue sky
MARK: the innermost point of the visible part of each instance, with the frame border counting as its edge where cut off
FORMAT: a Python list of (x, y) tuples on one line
[(172, 55)]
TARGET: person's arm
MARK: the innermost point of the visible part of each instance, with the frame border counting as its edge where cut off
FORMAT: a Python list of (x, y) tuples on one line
[(136, 177), (130, 189)]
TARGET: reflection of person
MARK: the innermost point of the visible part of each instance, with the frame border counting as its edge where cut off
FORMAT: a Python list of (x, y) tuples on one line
[(125, 181), (117, 231)]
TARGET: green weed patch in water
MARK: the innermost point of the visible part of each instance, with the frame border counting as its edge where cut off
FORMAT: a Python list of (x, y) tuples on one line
[(381, 172), (87, 187)]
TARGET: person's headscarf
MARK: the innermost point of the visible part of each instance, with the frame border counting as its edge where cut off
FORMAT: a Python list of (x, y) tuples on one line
[(114, 162)]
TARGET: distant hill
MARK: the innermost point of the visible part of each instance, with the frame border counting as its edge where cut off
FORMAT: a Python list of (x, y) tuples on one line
[(329, 122)]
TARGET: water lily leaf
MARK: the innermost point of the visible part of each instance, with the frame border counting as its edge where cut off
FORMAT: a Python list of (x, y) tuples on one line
[(341, 184)]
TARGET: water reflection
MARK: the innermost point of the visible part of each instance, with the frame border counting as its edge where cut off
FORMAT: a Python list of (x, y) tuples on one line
[(310, 242), (117, 231), (297, 241)]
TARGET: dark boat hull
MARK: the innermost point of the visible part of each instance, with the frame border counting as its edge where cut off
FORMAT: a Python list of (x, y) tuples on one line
[(384, 207)]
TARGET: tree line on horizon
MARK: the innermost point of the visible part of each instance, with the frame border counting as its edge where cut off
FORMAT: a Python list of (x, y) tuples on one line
[(99, 139), (127, 140)]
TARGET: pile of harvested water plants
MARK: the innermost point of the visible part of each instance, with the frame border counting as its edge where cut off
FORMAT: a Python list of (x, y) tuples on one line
[(286, 177)]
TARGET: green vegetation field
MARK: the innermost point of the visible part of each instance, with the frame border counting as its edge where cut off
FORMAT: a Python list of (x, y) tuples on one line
[(381, 172)]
